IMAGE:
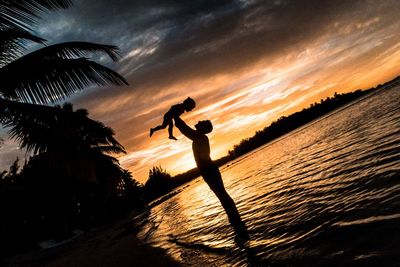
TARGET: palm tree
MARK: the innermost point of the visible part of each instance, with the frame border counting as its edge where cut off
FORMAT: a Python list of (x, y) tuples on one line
[(69, 149), (73, 158), (70, 139), (44, 76), (51, 73)]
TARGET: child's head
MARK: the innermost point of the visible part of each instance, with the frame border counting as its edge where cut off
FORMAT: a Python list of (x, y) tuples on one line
[(189, 104)]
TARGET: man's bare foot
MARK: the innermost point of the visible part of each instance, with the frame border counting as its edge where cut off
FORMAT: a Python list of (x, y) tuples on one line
[(173, 138), (151, 132)]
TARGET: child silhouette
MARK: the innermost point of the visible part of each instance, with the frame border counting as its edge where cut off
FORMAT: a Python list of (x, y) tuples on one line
[(174, 111)]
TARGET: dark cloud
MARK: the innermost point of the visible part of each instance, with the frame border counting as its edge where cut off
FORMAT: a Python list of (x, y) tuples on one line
[(238, 37), (180, 39), (167, 41)]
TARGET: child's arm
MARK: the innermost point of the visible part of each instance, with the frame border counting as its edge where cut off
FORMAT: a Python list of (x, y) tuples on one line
[(184, 128)]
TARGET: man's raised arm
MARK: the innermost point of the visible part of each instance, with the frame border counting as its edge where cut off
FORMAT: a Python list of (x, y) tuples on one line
[(184, 128)]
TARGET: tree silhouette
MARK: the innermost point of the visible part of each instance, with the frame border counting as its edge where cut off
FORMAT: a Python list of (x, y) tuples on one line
[(72, 169), (158, 183), (285, 124), (59, 131), (48, 74), (70, 140)]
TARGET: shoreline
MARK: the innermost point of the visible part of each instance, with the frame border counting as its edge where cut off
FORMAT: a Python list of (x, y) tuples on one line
[(115, 244)]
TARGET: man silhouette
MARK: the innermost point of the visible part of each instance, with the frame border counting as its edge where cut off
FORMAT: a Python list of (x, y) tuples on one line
[(209, 171)]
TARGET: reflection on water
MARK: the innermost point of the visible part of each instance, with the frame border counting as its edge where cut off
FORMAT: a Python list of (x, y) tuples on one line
[(328, 194)]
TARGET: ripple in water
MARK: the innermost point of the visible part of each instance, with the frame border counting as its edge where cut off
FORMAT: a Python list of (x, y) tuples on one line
[(326, 195)]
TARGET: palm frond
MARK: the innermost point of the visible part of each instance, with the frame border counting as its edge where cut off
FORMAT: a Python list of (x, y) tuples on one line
[(28, 123), (104, 135), (39, 128), (22, 13), (94, 133), (76, 49), (11, 109), (110, 149), (51, 79), (104, 160), (13, 42)]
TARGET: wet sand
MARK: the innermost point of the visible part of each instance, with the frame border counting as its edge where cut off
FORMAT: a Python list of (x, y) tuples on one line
[(113, 245)]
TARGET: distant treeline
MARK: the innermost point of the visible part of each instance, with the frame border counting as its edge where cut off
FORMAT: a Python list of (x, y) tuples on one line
[(160, 182), (286, 124)]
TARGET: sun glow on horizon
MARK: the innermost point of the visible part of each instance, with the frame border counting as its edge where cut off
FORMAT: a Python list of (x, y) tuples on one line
[(255, 98), (242, 72)]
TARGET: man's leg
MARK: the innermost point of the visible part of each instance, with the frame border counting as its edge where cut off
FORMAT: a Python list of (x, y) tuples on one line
[(217, 186)]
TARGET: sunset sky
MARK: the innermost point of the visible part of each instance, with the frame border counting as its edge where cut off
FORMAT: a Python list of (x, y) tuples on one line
[(245, 63)]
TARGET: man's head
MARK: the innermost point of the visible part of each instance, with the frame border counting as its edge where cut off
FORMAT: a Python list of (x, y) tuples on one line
[(204, 127)]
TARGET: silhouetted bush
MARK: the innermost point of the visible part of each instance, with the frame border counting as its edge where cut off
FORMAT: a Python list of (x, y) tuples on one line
[(158, 183)]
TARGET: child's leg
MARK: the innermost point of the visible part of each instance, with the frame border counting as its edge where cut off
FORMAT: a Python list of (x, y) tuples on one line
[(170, 128), (159, 127)]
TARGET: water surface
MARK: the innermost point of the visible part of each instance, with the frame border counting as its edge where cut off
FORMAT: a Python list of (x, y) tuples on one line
[(328, 194)]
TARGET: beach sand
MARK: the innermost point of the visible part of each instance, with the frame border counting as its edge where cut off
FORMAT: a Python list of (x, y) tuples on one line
[(113, 245)]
